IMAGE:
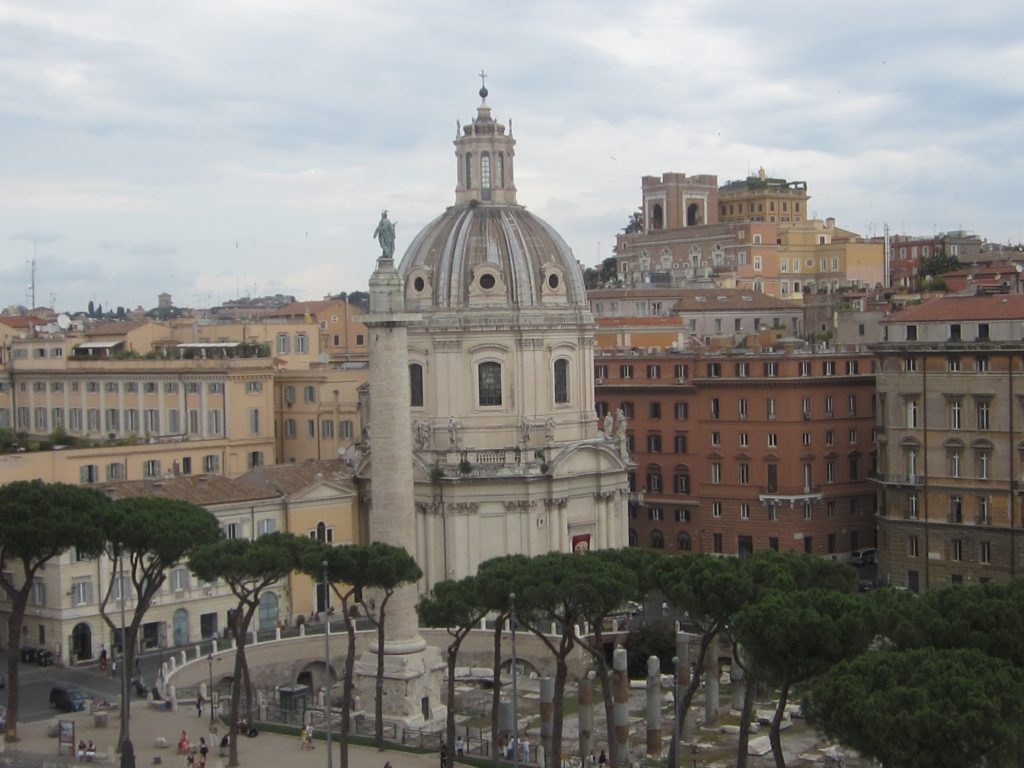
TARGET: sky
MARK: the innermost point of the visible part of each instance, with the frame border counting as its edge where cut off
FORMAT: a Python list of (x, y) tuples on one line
[(215, 149)]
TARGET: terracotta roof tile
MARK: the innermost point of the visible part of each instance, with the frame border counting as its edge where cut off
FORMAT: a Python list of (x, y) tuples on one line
[(996, 307), (291, 478), (202, 490)]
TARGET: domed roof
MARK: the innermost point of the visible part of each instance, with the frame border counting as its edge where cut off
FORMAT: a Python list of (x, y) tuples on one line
[(523, 254)]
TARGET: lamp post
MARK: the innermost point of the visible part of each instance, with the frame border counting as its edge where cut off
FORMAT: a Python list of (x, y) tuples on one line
[(515, 692), (673, 752), (209, 691), (127, 750), (327, 660), (693, 753)]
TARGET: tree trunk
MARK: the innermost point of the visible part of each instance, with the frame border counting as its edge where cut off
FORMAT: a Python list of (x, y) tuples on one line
[(496, 688), (561, 675), (236, 698), (347, 686), (449, 726), (596, 649), (775, 732), (14, 622), (378, 706), (682, 707), (748, 710)]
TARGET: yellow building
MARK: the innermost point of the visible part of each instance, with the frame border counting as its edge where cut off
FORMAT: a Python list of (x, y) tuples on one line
[(760, 198)]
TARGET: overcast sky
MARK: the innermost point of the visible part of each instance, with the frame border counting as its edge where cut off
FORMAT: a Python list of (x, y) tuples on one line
[(222, 149)]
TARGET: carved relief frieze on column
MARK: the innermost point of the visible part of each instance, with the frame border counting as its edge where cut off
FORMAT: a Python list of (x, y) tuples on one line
[(560, 503), (604, 495)]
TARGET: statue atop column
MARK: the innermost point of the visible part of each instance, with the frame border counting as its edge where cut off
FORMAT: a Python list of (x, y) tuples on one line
[(385, 234)]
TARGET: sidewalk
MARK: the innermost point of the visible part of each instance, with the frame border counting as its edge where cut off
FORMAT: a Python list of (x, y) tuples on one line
[(148, 724)]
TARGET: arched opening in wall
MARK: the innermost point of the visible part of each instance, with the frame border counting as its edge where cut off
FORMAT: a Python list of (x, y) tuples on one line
[(469, 171), (179, 627), (657, 539), (633, 540), (523, 669), (657, 217), (693, 216), (268, 611), (501, 169), (81, 642), (683, 542), (314, 675)]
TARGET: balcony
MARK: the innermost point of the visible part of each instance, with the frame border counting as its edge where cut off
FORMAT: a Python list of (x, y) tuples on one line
[(793, 496), (888, 479)]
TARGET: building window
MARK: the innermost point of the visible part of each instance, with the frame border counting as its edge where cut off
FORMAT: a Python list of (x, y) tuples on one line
[(416, 385), (953, 364), (309, 394), (81, 592), (982, 461), (253, 386), (744, 439), (215, 422), (211, 463), (561, 381), (912, 413), (954, 462), (744, 473), (489, 381), (680, 443), (983, 511), (912, 547), (715, 408), (265, 526), (716, 509), (983, 411), (852, 367), (653, 372), (955, 410), (742, 404), (830, 471), (957, 550), (327, 429), (985, 552), (716, 439), (179, 579), (681, 480), (852, 405), (232, 530), (683, 541), (770, 408), (716, 543), (829, 367), (771, 368), (912, 502), (255, 459), (682, 411), (716, 472), (151, 468), (654, 480), (773, 440), (284, 344), (115, 471), (655, 513), (956, 509), (254, 421), (289, 428), (626, 372), (657, 540), (654, 409), (654, 443)]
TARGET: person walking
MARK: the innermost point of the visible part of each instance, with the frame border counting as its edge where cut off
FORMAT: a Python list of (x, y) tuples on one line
[(444, 755), (199, 704)]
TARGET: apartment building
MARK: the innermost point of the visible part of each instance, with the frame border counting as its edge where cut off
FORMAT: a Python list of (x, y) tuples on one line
[(746, 449), (950, 416)]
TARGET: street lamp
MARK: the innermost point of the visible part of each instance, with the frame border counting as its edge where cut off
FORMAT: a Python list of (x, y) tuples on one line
[(673, 752), (515, 693), (209, 691), (127, 750), (693, 753), (327, 660)]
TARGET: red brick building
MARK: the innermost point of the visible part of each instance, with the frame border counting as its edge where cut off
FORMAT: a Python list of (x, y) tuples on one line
[(744, 450)]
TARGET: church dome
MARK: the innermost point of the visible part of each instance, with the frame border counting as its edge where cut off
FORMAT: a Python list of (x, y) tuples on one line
[(488, 254), (487, 250)]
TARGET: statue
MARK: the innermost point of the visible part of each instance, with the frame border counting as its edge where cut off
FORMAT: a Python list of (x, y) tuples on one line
[(385, 234), (608, 426), (549, 430), (526, 427), (424, 434), (620, 423), (453, 431)]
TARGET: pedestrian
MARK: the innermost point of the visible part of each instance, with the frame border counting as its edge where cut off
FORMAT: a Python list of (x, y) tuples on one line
[(590, 761), (203, 749), (526, 750), (103, 657), (602, 759), (460, 747), (444, 755), (664, 607), (199, 704)]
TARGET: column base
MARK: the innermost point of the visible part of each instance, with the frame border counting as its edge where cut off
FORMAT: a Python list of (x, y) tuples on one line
[(413, 683)]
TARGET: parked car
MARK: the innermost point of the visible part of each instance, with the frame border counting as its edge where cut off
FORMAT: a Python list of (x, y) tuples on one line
[(863, 556), (67, 699)]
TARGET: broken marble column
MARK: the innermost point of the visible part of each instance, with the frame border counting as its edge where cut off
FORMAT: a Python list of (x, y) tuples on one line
[(586, 715), (688, 728), (547, 713), (739, 685), (711, 694), (654, 706), (620, 710)]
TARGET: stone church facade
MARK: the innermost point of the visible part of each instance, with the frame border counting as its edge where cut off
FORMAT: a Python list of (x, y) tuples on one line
[(507, 454)]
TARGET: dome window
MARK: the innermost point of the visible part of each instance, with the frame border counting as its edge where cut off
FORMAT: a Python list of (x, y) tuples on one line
[(418, 284), (553, 281), (487, 281)]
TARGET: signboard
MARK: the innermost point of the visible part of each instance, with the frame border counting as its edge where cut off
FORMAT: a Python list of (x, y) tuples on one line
[(66, 737)]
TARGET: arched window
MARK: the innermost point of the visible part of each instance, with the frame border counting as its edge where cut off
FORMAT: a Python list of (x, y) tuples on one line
[(469, 171), (561, 381), (657, 539), (633, 541), (501, 169), (683, 541), (416, 385), (657, 217), (693, 216), (489, 381)]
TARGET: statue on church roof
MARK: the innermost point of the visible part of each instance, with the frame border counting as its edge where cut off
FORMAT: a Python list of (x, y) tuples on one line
[(385, 234)]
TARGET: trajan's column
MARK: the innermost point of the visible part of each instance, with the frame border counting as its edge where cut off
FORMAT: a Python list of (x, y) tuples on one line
[(412, 669)]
